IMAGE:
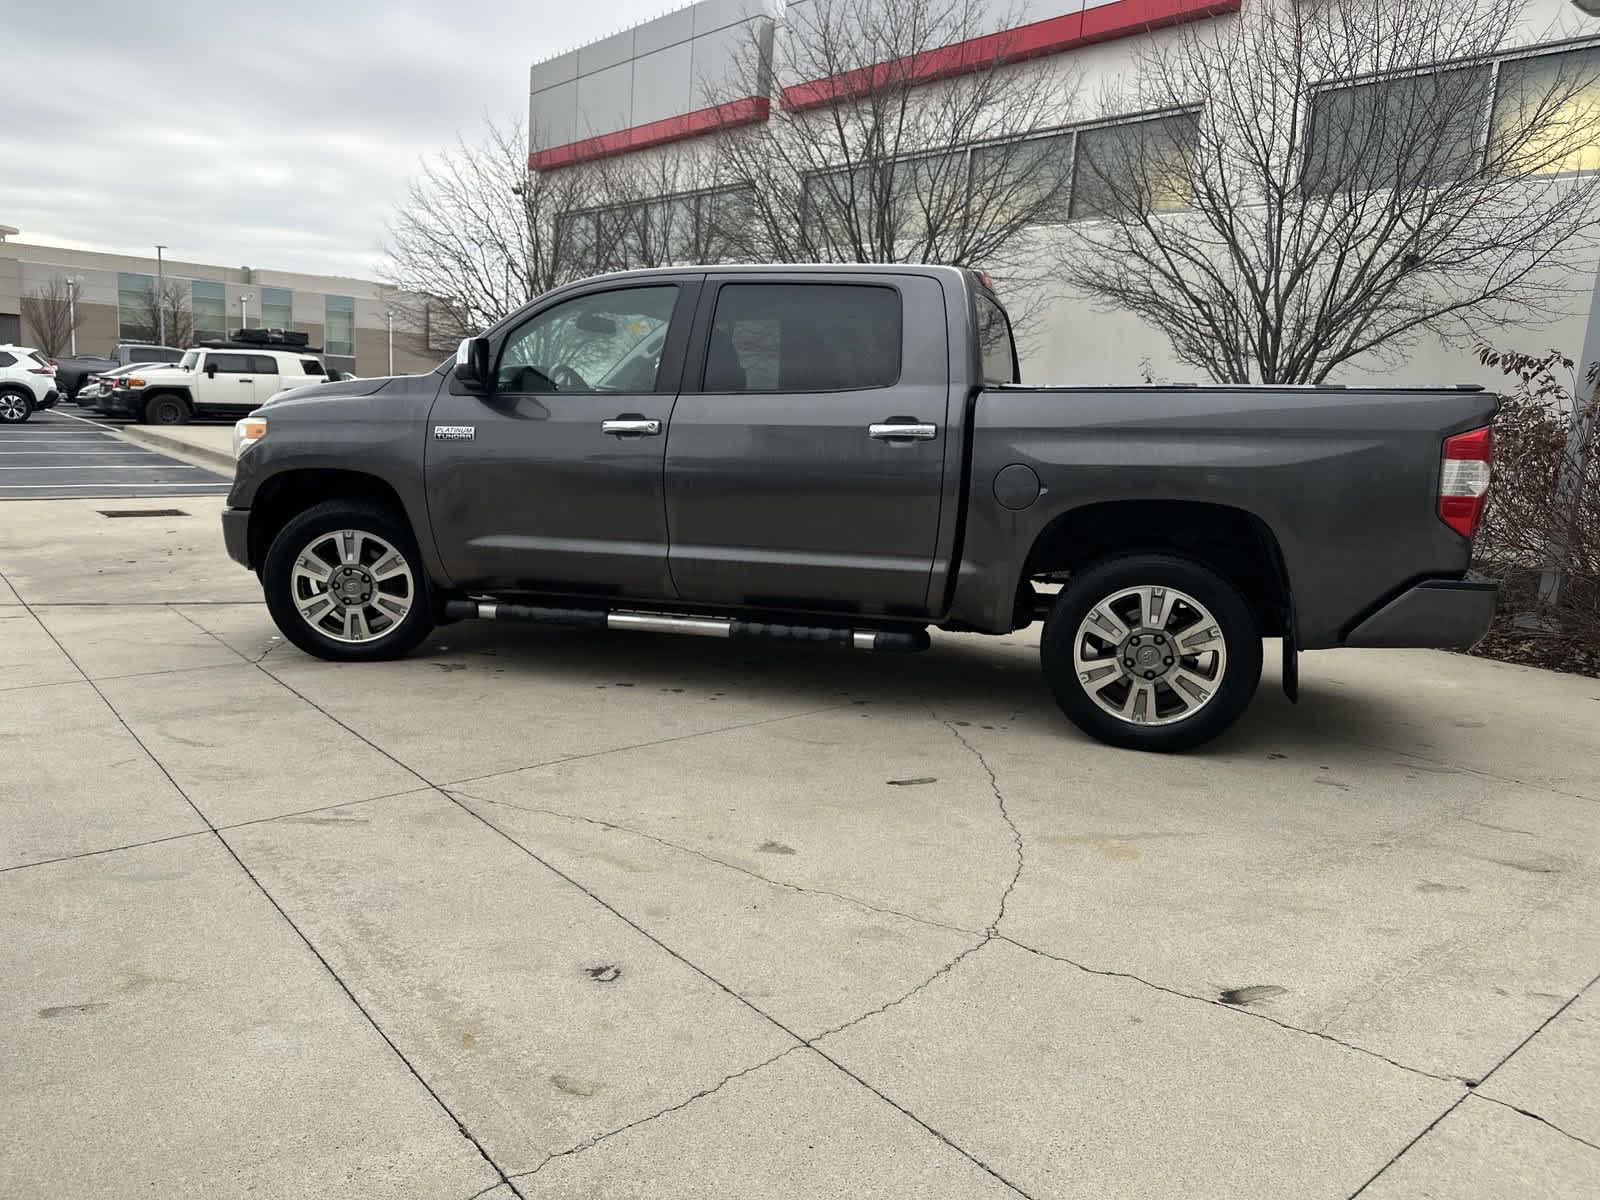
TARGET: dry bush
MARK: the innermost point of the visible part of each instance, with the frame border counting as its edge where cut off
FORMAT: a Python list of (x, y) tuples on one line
[(1542, 526)]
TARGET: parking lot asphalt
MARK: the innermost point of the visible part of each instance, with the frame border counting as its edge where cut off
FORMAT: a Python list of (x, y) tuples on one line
[(556, 915), (64, 454)]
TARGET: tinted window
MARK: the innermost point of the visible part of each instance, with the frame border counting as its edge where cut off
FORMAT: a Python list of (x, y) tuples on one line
[(166, 355), (263, 364), (7, 360), (231, 364), (311, 366), (994, 341), (602, 342), (803, 337)]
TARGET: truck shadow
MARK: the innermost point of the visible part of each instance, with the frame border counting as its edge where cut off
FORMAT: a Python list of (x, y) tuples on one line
[(988, 683)]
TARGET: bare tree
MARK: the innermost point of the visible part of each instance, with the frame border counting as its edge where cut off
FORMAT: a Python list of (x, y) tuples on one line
[(888, 150), (51, 316), (161, 310), (1335, 180), (478, 234)]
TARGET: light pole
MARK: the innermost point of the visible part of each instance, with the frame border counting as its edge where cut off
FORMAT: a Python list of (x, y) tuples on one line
[(390, 315), (73, 283), (161, 298), (244, 309)]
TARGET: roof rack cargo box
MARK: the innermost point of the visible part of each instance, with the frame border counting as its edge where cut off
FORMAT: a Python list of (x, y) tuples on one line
[(289, 338)]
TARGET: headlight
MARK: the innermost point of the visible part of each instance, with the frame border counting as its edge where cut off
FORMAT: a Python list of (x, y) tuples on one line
[(247, 433)]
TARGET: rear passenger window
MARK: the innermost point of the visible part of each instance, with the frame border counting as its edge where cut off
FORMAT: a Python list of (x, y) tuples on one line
[(263, 364), (803, 337), (311, 366), (229, 364)]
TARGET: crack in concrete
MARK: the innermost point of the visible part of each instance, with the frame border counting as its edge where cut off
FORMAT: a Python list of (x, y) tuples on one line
[(1005, 815), (1108, 973), (1582, 1141), (273, 901), (590, 1143), (1472, 1092), (710, 858)]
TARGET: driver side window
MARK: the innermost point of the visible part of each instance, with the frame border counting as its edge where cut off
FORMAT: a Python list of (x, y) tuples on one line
[(603, 342)]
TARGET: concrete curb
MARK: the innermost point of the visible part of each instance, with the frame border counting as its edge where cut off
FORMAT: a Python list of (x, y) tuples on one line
[(157, 438)]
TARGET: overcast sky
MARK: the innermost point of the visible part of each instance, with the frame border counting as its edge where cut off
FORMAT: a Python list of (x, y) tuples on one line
[(279, 140)]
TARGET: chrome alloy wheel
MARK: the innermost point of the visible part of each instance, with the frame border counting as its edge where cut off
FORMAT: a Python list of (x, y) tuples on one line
[(352, 586), (13, 407), (1150, 655)]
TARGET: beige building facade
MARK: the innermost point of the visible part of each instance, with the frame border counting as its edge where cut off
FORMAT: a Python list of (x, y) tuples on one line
[(351, 319)]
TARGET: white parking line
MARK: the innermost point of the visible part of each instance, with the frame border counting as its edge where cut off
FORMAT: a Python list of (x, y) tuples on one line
[(77, 453), (85, 420), (107, 467), (62, 487)]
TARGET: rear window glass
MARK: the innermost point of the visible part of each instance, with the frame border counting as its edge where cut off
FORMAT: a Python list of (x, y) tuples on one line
[(263, 364), (803, 337), (311, 366), (7, 360), (994, 341)]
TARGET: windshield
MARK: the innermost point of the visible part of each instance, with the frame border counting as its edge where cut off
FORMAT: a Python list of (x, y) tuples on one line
[(190, 357)]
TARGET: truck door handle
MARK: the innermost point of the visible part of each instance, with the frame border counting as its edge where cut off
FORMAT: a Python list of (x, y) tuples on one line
[(630, 427), (246, 380), (910, 431)]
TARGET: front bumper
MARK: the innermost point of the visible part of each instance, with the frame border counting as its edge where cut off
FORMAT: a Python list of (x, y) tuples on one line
[(1445, 614), (236, 534), (118, 403)]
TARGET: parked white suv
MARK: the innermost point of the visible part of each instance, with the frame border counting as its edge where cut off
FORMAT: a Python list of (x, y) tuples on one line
[(27, 383), (229, 380)]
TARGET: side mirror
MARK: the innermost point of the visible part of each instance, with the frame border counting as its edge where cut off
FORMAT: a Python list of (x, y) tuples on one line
[(211, 370), (472, 365)]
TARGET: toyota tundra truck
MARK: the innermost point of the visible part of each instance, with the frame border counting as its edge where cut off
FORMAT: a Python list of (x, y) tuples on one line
[(846, 455)]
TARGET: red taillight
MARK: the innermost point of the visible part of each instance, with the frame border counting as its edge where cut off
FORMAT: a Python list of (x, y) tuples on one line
[(41, 370), (1464, 479)]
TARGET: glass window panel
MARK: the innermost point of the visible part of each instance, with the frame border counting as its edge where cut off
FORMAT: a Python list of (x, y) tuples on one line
[(725, 219), (136, 307), (603, 342), (575, 243), (339, 325), (1140, 162), (803, 337), (208, 301), (1547, 113), (1030, 179), (1404, 132), (277, 308)]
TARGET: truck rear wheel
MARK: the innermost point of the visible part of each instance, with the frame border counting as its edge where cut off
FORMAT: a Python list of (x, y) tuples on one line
[(1151, 652), (344, 581)]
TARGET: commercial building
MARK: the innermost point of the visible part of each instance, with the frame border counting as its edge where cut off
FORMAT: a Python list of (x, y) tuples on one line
[(115, 297), (684, 78)]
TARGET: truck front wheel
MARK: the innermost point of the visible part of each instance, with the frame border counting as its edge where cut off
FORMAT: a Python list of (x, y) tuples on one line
[(344, 581), (165, 409), (1151, 652)]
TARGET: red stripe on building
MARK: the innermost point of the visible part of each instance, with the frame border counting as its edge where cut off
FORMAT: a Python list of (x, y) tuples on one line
[(1051, 36), (640, 137)]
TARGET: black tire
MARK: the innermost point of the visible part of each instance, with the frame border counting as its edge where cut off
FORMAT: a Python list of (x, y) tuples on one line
[(1098, 587), (165, 409), (279, 583), (18, 406)]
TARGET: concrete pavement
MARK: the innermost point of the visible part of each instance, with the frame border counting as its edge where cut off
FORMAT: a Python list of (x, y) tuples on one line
[(548, 914)]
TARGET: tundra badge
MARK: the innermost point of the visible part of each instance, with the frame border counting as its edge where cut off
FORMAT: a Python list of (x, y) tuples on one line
[(455, 433)]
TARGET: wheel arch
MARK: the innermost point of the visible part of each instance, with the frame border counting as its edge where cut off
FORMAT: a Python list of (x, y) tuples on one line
[(1233, 541), (281, 497)]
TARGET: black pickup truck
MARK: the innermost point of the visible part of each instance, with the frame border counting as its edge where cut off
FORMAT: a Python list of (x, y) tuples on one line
[(845, 455), (73, 373)]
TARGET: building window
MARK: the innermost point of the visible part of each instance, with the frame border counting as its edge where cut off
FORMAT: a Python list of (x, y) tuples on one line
[(209, 303), (1411, 131), (277, 308), (705, 227), (136, 307), (1560, 94), (1134, 164), (1030, 179), (339, 325)]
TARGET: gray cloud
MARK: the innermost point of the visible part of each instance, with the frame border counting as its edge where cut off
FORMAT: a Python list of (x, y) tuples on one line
[(281, 139)]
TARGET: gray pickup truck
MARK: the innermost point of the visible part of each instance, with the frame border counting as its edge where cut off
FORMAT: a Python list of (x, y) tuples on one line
[(845, 455)]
